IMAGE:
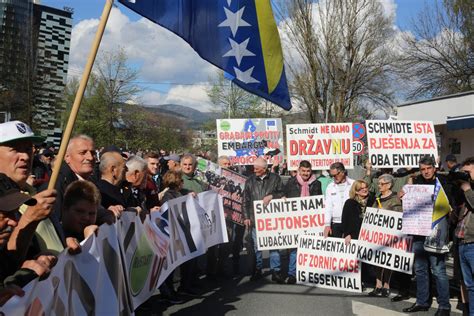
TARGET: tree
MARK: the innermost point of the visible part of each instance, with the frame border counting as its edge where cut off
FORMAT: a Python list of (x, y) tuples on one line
[(340, 58), (438, 58), (109, 115), (110, 86), (233, 102)]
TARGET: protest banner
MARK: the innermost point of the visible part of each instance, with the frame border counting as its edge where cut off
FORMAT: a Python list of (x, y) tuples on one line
[(144, 250), (382, 242), (193, 224), (95, 282), (328, 263), (400, 143), (244, 140), (320, 144), (231, 190), (417, 209), (279, 224), (207, 171), (125, 263)]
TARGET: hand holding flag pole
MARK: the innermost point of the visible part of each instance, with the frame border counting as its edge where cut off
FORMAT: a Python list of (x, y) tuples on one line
[(80, 93)]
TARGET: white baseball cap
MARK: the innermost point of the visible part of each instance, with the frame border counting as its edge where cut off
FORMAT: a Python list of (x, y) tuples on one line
[(16, 130)]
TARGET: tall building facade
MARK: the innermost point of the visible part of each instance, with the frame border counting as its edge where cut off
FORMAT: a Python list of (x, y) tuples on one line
[(53, 28), (16, 59), (34, 55)]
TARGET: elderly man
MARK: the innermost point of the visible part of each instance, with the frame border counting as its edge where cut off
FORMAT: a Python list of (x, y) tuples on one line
[(80, 160), (112, 173), (188, 166), (224, 162), (337, 193), (189, 269), (136, 177), (304, 184), (262, 185), (16, 154)]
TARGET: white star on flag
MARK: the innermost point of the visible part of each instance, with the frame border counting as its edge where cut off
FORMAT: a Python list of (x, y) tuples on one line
[(229, 2), (234, 20), (239, 50), (245, 76)]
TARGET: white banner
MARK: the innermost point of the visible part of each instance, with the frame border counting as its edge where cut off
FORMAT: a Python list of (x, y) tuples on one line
[(90, 283), (144, 249), (193, 224), (400, 143), (279, 224), (328, 263), (382, 242), (418, 209), (122, 266), (243, 140), (320, 144)]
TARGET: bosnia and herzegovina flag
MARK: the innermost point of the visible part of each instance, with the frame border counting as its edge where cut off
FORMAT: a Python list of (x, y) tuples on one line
[(238, 36)]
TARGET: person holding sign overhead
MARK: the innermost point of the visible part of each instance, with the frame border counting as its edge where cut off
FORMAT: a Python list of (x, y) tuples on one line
[(337, 193), (304, 184)]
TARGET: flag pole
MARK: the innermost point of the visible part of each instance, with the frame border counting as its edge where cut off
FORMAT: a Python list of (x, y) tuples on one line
[(80, 93)]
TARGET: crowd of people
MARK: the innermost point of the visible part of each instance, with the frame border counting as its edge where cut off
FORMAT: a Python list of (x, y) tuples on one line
[(96, 186)]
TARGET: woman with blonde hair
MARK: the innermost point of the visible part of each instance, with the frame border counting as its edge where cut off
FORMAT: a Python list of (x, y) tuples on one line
[(354, 209)]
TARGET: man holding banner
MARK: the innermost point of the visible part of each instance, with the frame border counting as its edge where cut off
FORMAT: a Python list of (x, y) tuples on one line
[(262, 185), (304, 184), (430, 252)]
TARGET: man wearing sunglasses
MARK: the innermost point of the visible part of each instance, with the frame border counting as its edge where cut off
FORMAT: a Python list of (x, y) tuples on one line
[(337, 193)]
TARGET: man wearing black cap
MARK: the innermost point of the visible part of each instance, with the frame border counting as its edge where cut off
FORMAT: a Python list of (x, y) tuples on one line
[(16, 153), (42, 167)]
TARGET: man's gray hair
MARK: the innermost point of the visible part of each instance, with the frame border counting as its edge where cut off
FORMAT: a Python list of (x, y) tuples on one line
[(190, 156), (136, 163), (108, 159), (221, 158), (76, 138), (260, 162)]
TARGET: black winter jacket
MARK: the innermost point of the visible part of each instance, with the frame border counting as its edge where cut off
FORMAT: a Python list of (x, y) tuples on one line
[(292, 188), (256, 189)]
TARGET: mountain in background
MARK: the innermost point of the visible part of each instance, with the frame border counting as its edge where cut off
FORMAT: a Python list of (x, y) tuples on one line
[(189, 116)]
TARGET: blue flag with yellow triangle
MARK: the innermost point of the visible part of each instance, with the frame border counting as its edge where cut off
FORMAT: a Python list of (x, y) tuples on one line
[(238, 36)]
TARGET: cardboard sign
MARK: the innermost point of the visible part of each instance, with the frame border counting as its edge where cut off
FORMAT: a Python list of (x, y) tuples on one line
[(328, 263), (382, 242), (418, 209), (280, 223), (400, 143), (320, 144)]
